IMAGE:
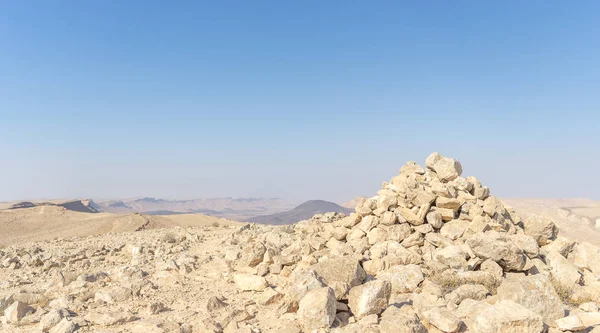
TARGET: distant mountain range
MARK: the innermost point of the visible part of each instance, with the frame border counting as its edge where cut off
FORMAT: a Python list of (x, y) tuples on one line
[(302, 212), (231, 208)]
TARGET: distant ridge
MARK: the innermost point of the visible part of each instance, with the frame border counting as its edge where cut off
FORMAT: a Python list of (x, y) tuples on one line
[(302, 212), (231, 208), (83, 206)]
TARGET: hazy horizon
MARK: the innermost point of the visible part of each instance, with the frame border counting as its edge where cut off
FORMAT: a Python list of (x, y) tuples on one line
[(299, 101)]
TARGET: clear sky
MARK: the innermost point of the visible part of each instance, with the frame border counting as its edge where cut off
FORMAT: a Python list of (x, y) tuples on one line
[(295, 99)]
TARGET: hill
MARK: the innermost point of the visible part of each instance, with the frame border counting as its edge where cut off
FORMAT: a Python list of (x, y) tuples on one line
[(83, 206), (230, 208), (302, 212)]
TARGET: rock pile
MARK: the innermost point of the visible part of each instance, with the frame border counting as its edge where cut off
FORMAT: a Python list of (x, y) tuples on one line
[(431, 252)]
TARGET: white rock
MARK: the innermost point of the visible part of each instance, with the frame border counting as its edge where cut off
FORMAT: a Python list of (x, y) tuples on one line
[(248, 282), (317, 308), (369, 298)]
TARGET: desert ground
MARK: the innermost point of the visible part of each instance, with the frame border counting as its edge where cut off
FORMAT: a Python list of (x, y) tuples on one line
[(432, 251)]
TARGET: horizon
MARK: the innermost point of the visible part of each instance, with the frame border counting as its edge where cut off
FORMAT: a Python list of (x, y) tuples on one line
[(295, 101)]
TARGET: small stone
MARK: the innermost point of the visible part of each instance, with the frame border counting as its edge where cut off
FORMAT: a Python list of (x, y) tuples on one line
[(248, 282)]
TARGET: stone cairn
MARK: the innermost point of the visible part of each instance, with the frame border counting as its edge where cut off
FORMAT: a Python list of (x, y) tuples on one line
[(431, 252)]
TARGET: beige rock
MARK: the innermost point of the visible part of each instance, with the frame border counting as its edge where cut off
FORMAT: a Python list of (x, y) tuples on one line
[(317, 308), (248, 282), (468, 291), (562, 245), (499, 248), (341, 274), (534, 292), (112, 295), (585, 255), (442, 319), (399, 232), (446, 168), (395, 320), (492, 267), (540, 228), (109, 319), (561, 269), (64, 326), (454, 229), (453, 255), (269, 296), (404, 279), (369, 298), (377, 235), (507, 317), (15, 312), (434, 219), (388, 218), (52, 318), (409, 216), (526, 243), (447, 214), (449, 203)]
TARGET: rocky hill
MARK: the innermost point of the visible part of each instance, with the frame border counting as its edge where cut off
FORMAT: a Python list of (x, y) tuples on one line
[(432, 251), (302, 212)]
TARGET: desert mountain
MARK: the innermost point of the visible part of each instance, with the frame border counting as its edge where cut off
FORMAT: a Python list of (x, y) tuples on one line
[(302, 212), (232, 208)]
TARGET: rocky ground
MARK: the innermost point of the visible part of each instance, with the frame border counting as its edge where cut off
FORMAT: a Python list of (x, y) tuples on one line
[(431, 252)]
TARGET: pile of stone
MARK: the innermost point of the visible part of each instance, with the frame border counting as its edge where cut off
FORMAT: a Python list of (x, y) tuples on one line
[(431, 252)]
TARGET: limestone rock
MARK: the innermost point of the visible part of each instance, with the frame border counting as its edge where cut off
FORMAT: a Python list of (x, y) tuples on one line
[(17, 311), (562, 270), (369, 298), (507, 317), (248, 282), (540, 228), (534, 292), (446, 168), (404, 279), (499, 248), (64, 326), (395, 320), (441, 318), (317, 308), (341, 274)]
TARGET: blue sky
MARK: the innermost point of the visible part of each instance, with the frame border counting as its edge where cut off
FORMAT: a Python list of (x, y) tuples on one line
[(298, 99)]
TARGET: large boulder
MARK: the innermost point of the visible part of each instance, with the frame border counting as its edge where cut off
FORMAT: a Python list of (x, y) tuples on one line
[(317, 308), (446, 168), (534, 292), (341, 274), (499, 248), (507, 317), (369, 298), (540, 228)]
